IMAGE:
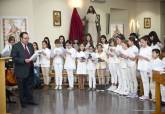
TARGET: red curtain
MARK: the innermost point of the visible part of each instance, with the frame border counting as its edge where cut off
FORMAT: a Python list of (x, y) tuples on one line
[(76, 27)]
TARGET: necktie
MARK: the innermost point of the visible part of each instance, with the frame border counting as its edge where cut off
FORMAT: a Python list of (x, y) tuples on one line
[(27, 54)]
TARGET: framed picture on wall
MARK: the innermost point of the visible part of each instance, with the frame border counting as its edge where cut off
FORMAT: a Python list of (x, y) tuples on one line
[(13, 26), (56, 18), (147, 23)]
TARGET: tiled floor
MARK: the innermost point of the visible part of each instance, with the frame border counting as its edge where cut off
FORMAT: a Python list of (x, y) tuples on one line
[(83, 102)]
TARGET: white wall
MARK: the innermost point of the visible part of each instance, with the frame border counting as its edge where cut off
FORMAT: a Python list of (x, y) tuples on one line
[(152, 10), (120, 16), (39, 14), (162, 11), (22, 8)]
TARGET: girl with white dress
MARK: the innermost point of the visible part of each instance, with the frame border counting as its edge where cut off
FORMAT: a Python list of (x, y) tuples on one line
[(58, 60), (111, 64), (118, 49), (88, 41), (155, 41), (103, 41), (45, 62), (91, 67), (70, 65), (132, 66), (62, 40), (125, 89), (101, 64), (81, 66), (144, 58)]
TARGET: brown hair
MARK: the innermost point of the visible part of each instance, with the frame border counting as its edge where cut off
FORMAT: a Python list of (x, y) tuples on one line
[(112, 40), (135, 41), (125, 42), (91, 40), (146, 38), (57, 41), (93, 10), (11, 38), (80, 45)]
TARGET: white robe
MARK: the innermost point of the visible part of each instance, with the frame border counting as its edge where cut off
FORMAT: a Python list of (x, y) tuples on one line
[(70, 59), (45, 59), (143, 65), (92, 26), (81, 66)]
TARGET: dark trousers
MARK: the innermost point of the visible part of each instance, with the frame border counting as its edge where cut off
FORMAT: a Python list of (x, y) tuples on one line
[(25, 86)]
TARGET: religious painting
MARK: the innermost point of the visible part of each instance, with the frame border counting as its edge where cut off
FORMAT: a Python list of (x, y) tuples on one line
[(117, 29), (13, 26), (147, 23), (57, 18)]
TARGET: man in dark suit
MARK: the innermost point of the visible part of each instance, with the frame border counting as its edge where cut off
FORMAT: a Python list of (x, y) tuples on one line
[(23, 69)]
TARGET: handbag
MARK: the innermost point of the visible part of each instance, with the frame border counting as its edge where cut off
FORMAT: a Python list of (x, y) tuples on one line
[(10, 77)]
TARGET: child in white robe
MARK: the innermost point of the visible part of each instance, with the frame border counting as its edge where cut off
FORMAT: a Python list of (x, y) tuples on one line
[(144, 58), (112, 57), (125, 88), (91, 67), (81, 66), (101, 64), (118, 49), (58, 60), (132, 66), (45, 62), (155, 64), (70, 65)]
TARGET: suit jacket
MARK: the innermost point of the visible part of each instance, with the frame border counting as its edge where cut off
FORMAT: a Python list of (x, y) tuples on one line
[(21, 69)]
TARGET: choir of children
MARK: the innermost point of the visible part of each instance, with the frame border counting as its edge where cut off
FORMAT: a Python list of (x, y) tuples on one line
[(121, 57)]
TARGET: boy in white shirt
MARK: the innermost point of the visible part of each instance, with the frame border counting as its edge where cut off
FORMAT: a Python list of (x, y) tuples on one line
[(155, 64), (58, 61)]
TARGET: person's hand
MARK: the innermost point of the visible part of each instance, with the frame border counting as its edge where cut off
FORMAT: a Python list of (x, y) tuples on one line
[(112, 50), (139, 57), (125, 56), (93, 60), (43, 53), (55, 55), (27, 60), (100, 60), (82, 59), (68, 53)]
